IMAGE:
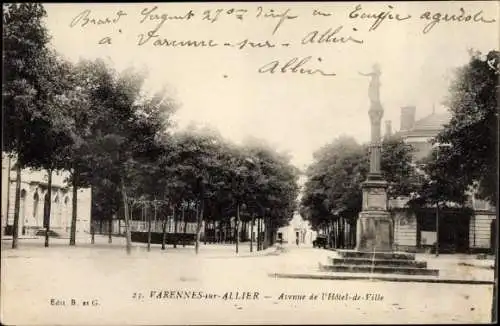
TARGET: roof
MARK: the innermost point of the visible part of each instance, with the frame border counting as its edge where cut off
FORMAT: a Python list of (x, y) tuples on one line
[(434, 122), (428, 126)]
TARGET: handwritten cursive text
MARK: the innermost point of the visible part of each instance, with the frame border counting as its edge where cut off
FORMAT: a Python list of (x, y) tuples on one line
[(154, 39), (271, 13), (462, 17), (329, 36), (84, 18), (151, 14), (379, 17), (295, 65)]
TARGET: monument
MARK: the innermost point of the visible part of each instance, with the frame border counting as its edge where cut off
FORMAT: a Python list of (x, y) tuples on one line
[(374, 231)]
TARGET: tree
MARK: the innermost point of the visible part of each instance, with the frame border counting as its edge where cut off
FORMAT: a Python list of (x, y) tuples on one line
[(438, 184), (397, 168), (272, 188), (333, 191), (470, 159), (31, 86), (125, 132)]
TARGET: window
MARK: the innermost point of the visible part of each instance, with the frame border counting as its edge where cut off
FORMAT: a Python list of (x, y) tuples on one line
[(36, 200)]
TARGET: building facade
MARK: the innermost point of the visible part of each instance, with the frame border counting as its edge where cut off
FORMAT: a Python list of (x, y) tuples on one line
[(34, 198), (298, 231), (457, 229)]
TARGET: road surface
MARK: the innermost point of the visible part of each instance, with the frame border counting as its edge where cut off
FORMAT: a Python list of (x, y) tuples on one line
[(100, 284)]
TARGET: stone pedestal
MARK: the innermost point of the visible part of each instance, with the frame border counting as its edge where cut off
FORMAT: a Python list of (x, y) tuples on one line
[(374, 232)]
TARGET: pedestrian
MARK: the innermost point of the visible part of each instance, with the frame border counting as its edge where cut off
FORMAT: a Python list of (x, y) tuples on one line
[(297, 241), (92, 233)]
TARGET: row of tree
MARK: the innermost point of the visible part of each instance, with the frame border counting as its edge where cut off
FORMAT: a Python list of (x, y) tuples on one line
[(110, 134), (464, 159)]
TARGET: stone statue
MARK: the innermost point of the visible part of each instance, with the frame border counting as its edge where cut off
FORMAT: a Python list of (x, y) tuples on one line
[(374, 88)]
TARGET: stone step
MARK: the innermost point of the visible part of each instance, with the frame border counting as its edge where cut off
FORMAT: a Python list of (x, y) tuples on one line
[(378, 262), (376, 255), (379, 269)]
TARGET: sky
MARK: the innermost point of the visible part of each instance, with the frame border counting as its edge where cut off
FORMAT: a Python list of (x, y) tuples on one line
[(221, 86)]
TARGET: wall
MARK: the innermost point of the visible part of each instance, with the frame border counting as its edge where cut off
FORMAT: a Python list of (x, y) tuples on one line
[(480, 235), (297, 224), (405, 230), (33, 185)]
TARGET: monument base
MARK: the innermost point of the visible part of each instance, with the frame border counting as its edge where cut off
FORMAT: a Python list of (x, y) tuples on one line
[(374, 232)]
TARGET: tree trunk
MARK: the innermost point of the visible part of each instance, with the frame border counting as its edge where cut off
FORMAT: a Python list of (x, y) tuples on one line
[(126, 216), (347, 235), (329, 227), (184, 231), (252, 233), (7, 208), (494, 309), (92, 233), (259, 238), (205, 227), (341, 232), (344, 232), (265, 240), (236, 226), (242, 231), (49, 205), (148, 216), (334, 235), (199, 219), (336, 232), (219, 233), (164, 231), (227, 228), (353, 234), (72, 236), (176, 222), (110, 228), (17, 204)]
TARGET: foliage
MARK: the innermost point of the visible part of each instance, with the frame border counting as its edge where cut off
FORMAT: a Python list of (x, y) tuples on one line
[(469, 158), (25, 53), (104, 128), (334, 186)]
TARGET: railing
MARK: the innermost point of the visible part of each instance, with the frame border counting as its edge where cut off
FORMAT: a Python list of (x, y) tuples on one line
[(118, 227), (157, 226)]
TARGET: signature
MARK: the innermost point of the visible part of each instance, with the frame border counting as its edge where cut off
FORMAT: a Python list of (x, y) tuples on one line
[(294, 65), (85, 18)]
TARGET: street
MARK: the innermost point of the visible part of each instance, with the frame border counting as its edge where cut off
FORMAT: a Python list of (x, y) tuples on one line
[(100, 284)]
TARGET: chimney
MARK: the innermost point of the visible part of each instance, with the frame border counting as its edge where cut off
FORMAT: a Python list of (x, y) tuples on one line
[(388, 128), (407, 117)]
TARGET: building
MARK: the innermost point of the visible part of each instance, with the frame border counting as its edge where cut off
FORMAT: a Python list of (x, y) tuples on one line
[(298, 228), (458, 231), (33, 202)]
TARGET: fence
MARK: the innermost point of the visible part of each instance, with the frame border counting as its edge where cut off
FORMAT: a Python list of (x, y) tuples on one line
[(118, 227)]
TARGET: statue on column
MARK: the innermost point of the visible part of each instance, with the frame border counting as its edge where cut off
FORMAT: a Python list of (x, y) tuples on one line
[(374, 87)]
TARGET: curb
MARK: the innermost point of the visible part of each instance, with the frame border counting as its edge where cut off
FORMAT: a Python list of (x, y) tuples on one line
[(261, 253), (379, 278)]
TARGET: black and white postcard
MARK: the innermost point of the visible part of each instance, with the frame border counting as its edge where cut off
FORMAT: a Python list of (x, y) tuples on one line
[(250, 163)]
